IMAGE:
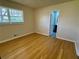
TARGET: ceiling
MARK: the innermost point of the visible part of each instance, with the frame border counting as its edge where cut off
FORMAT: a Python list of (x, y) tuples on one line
[(40, 3)]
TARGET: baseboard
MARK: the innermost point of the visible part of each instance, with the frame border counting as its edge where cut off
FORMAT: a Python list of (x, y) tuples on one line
[(14, 37), (76, 48), (66, 39), (43, 34)]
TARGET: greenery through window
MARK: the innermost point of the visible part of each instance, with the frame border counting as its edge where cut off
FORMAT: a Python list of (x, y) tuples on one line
[(9, 15)]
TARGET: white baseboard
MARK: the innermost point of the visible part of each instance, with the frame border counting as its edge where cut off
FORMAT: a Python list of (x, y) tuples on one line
[(14, 37), (43, 34), (76, 48), (66, 39)]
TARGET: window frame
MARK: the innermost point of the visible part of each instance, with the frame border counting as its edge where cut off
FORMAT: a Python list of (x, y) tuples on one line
[(9, 17)]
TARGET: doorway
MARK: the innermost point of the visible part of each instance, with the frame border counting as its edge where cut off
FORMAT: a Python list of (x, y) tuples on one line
[(54, 18)]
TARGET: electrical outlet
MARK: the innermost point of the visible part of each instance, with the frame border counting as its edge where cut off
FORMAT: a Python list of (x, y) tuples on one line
[(15, 35)]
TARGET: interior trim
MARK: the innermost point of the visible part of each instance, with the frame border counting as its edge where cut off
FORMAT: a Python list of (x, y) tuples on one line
[(14, 38), (42, 34), (76, 48)]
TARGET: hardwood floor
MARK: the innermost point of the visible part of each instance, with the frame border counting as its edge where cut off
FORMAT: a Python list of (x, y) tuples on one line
[(36, 46)]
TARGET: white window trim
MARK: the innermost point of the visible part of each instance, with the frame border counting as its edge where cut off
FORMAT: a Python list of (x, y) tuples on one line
[(9, 17)]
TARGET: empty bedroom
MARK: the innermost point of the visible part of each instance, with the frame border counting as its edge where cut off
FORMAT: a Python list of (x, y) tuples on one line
[(39, 29)]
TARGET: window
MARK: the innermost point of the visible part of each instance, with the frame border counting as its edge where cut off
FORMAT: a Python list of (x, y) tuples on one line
[(8, 15), (16, 15), (4, 15)]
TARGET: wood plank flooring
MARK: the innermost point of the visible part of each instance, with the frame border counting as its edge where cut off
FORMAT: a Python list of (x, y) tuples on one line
[(36, 46)]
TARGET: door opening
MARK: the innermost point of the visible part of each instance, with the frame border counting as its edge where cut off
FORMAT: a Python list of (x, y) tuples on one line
[(54, 17)]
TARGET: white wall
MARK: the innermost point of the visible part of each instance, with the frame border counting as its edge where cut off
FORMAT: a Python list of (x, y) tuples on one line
[(8, 31), (68, 24), (68, 27)]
